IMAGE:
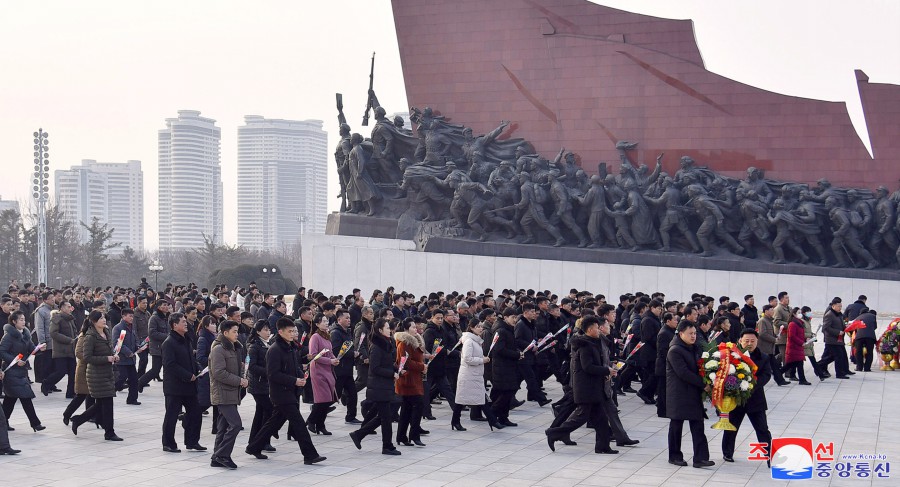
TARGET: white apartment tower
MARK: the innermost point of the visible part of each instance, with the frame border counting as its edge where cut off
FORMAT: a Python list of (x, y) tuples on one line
[(190, 182), (282, 166), (113, 192)]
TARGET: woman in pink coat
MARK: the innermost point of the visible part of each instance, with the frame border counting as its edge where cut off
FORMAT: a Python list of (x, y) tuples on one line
[(794, 354), (321, 376)]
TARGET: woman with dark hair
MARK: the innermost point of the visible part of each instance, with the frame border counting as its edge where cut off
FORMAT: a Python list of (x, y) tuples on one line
[(794, 355), (410, 385), (82, 394), (321, 373), (259, 383), (206, 335), (99, 357), (470, 390), (721, 329), (16, 340), (379, 388), (810, 343)]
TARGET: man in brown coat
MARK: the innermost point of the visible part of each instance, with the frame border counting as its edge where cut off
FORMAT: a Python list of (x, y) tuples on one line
[(781, 316), (766, 329)]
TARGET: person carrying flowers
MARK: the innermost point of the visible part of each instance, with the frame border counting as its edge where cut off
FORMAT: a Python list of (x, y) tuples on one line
[(755, 407)]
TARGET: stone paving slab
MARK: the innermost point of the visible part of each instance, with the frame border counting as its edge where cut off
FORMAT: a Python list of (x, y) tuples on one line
[(859, 415)]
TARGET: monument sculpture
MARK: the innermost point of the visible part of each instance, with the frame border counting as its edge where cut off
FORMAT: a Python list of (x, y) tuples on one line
[(487, 187)]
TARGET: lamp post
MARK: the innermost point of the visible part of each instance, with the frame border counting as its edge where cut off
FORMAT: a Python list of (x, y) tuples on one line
[(41, 193), (156, 269)]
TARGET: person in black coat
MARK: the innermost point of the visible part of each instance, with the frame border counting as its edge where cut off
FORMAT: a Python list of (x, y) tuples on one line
[(525, 334), (344, 386), (755, 408), (180, 387), (590, 366), (380, 389), (864, 340), (505, 378), (437, 368), (835, 350), (258, 343), (16, 387), (650, 326), (663, 341), (736, 322), (282, 366), (684, 396)]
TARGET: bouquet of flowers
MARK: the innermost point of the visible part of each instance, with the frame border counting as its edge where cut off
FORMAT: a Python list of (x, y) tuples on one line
[(731, 374), (344, 348), (889, 345)]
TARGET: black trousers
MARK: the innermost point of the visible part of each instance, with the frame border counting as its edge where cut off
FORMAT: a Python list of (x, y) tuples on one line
[(864, 359), (648, 383), (836, 353), (623, 380), (796, 367), (760, 425), (192, 420), (362, 376), (27, 406), (282, 413), (382, 418), (776, 370), (531, 382), (500, 401), (101, 411), (143, 358), (153, 373), (615, 424), (262, 414), (128, 373), (410, 418), (345, 388), (698, 438), (43, 366), (76, 403), (62, 366), (660, 395), (317, 414), (583, 413), (439, 383)]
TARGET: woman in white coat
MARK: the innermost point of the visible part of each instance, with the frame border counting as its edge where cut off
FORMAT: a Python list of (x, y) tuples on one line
[(470, 389)]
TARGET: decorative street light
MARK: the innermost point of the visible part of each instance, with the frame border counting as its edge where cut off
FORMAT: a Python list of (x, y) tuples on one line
[(41, 193), (156, 268)]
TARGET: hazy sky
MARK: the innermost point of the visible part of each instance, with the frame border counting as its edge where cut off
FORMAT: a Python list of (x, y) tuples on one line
[(101, 76)]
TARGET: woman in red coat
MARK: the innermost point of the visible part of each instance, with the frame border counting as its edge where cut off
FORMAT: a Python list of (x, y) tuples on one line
[(795, 355), (409, 385)]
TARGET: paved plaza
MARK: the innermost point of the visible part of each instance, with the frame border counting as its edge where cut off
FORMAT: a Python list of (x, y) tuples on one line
[(858, 415)]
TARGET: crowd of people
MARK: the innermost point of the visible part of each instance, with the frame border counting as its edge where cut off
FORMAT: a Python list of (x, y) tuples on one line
[(472, 350)]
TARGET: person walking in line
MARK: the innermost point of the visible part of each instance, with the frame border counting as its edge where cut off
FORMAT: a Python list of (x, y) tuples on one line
[(410, 385), (470, 390), (227, 378), (82, 394), (258, 344), (180, 387), (158, 331), (684, 397), (321, 374), (765, 327), (380, 389), (99, 357), (810, 343), (5, 448), (344, 386), (781, 317), (590, 366), (62, 333), (16, 387), (795, 355), (126, 366), (835, 350), (663, 341), (282, 369)]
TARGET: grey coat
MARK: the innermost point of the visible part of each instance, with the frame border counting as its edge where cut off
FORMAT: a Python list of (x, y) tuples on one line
[(158, 330), (63, 334), (832, 326), (225, 372)]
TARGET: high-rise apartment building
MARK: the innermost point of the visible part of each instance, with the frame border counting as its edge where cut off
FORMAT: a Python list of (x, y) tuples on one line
[(110, 191), (282, 181), (190, 182)]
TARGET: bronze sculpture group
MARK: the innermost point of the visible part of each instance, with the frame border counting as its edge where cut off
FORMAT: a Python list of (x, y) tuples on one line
[(502, 189)]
